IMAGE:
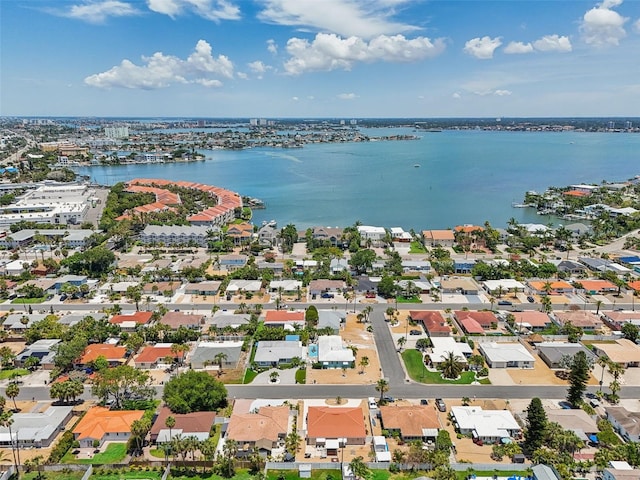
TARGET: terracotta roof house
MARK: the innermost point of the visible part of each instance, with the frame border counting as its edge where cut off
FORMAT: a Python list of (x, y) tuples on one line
[(332, 423), (438, 238), (129, 321), (104, 425), (240, 233), (531, 320), (580, 318), (433, 322), (176, 320), (317, 287), (471, 326), (153, 355), (412, 422), (484, 319), (259, 431), (623, 352), (114, 354), (284, 318), (557, 287), (615, 320), (194, 424), (598, 286)]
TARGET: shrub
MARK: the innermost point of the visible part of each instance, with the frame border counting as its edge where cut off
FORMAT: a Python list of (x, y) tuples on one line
[(62, 447)]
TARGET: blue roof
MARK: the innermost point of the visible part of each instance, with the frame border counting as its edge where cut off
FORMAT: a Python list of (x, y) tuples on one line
[(633, 259), (292, 338)]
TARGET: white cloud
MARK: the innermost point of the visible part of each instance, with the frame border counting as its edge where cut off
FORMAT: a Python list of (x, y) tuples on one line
[(242, 75), (330, 52), (162, 70), (456, 95), (502, 93), (601, 26), (482, 48), (259, 68), (272, 47), (518, 48), (553, 43), (98, 12), (344, 17), (295, 99), (347, 96), (215, 10)]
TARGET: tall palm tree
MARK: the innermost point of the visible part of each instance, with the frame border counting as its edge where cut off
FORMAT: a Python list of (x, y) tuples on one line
[(364, 363), (401, 342), (451, 366), (358, 468), (603, 361), (382, 386), (170, 422), (219, 358), (6, 421)]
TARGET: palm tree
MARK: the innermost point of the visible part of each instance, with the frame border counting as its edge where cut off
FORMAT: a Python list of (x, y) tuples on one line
[(364, 363), (603, 361), (230, 449), (170, 422), (12, 391), (382, 386), (6, 421), (358, 468), (401, 342), (451, 366), (219, 358)]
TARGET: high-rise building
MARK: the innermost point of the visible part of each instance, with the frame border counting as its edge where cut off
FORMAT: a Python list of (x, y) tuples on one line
[(116, 132)]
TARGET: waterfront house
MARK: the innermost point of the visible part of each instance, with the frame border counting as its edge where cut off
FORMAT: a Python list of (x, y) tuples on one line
[(105, 425), (411, 422), (371, 235), (268, 235), (328, 427), (260, 431), (327, 234), (240, 233), (506, 355), (438, 238)]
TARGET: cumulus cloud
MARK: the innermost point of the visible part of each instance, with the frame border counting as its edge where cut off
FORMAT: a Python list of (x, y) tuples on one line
[(214, 10), (272, 47), (259, 68), (553, 43), (347, 96), (330, 52), (601, 26), (160, 70), (99, 12), (518, 48), (344, 17), (482, 48), (548, 43)]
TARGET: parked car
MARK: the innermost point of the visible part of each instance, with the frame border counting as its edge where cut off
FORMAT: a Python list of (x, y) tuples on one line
[(424, 401), (388, 398), (441, 405), (63, 297), (530, 299), (327, 295), (370, 295), (505, 302), (415, 332)]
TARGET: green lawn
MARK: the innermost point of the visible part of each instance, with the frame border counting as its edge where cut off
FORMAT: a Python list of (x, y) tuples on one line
[(10, 372), (417, 247), (188, 474), (301, 375), (249, 375), (418, 372), (415, 299), (118, 475), (68, 475), (114, 453), (24, 301), (315, 474)]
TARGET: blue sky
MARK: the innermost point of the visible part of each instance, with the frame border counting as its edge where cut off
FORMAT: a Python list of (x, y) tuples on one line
[(320, 58)]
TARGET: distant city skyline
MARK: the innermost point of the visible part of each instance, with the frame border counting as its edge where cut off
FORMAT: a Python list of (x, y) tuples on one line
[(319, 58)]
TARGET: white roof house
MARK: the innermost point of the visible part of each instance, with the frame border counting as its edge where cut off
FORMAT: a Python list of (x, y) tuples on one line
[(245, 285), (274, 352), (507, 285), (443, 345), (487, 425), (36, 429), (285, 285), (332, 352), (505, 355)]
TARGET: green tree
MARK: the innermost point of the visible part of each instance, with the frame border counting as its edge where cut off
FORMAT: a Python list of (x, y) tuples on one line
[(387, 287), (536, 425), (578, 378), (359, 468), (362, 260), (451, 366), (12, 391), (382, 386), (630, 331), (170, 422), (139, 430), (311, 316), (289, 236), (134, 294), (122, 383), (193, 391), (93, 262), (364, 363)]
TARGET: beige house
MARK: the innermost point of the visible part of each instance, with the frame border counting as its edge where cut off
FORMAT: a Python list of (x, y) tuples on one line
[(623, 352)]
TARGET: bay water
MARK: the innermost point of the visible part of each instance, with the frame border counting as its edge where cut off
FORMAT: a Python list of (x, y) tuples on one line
[(442, 180)]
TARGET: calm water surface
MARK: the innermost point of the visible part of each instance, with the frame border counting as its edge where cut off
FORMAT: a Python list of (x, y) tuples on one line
[(462, 177)]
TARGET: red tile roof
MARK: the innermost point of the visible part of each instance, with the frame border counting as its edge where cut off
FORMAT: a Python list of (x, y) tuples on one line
[(141, 318), (335, 422), (280, 316), (112, 353), (484, 319), (433, 322)]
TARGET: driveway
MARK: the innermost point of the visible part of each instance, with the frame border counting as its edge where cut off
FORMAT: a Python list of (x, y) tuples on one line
[(285, 377)]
